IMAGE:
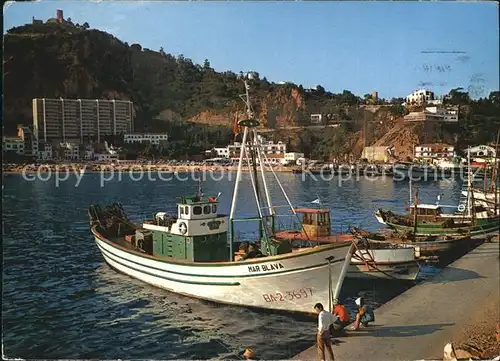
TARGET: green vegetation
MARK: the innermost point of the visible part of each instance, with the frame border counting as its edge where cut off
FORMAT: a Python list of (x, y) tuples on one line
[(70, 60), (185, 139)]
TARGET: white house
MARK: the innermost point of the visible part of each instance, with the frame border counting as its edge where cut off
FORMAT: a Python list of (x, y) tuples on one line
[(481, 151), (106, 157), (434, 151), (153, 138), (420, 96), (443, 114), (433, 114), (221, 152), (293, 158), (269, 148), (316, 118)]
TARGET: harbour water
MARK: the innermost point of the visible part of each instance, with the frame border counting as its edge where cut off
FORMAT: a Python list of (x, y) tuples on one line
[(61, 300)]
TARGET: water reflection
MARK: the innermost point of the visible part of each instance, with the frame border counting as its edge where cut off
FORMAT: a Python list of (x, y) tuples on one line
[(60, 300)]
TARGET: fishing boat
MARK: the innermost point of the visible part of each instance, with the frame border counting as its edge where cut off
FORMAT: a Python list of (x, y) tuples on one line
[(430, 220), (416, 172), (487, 199), (489, 195), (424, 246), (188, 253), (385, 260), (369, 260), (313, 171)]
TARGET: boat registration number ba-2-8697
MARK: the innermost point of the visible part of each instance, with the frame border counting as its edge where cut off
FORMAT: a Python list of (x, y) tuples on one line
[(288, 295)]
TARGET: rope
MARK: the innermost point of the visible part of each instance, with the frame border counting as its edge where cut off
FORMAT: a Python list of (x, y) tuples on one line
[(357, 234)]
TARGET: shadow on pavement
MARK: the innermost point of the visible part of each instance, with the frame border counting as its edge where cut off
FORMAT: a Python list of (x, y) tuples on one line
[(399, 331)]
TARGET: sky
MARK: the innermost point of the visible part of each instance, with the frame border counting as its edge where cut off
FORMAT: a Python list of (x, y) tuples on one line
[(390, 47)]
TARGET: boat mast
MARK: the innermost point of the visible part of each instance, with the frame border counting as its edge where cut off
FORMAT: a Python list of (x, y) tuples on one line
[(469, 184), (249, 143), (410, 191), (494, 174), (415, 215), (235, 194), (264, 182)]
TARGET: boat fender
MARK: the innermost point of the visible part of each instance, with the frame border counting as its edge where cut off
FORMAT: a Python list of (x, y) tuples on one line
[(182, 228), (461, 208)]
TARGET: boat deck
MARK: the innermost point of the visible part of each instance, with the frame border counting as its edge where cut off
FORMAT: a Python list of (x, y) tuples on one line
[(418, 324), (298, 236)]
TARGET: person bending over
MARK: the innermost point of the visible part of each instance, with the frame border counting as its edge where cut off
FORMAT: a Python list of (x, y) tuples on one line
[(365, 314)]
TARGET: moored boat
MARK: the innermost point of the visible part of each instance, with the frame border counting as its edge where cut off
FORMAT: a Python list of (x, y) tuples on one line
[(369, 260), (385, 260), (424, 246), (188, 253), (429, 220)]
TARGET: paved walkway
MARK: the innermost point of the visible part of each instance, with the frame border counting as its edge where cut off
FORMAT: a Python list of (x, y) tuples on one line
[(417, 324)]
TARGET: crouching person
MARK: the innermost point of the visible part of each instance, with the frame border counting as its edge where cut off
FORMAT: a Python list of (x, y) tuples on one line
[(342, 315), (365, 314)]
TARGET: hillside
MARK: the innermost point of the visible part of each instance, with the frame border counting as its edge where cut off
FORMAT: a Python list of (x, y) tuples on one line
[(70, 60), (65, 60)]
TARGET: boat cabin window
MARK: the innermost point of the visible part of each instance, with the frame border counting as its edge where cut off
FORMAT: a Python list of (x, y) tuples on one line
[(206, 210), (214, 208), (197, 210), (322, 219), (307, 219), (425, 212), (186, 210), (182, 210)]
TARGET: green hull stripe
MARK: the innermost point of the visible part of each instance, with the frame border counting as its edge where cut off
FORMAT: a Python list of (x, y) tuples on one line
[(222, 276), (219, 264), (167, 278)]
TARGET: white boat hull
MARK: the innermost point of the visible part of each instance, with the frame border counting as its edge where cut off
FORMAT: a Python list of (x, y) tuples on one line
[(379, 218), (394, 263), (291, 282), (485, 199)]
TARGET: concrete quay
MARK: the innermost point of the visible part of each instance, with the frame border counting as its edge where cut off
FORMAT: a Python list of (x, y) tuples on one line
[(417, 324)]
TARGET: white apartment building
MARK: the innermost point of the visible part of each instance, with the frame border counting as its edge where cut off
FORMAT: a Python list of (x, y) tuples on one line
[(434, 151), (420, 96), (153, 138), (80, 119), (13, 144)]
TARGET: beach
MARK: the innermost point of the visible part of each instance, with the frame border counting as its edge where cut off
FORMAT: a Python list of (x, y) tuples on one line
[(128, 167)]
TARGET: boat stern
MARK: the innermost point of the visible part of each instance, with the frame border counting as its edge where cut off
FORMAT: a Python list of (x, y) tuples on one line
[(380, 216)]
